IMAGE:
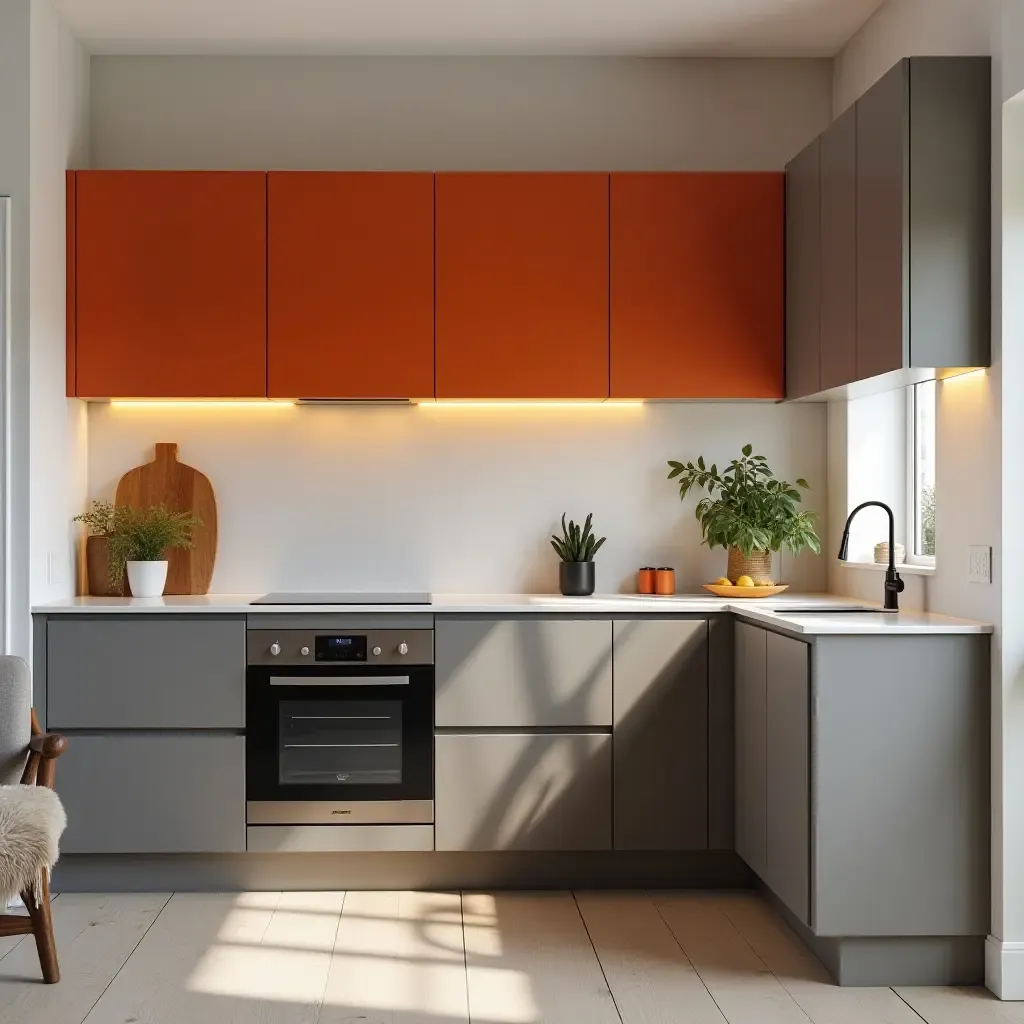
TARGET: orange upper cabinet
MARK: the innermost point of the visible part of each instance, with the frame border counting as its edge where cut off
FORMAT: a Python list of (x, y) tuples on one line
[(697, 285), (522, 286), (350, 285), (170, 284)]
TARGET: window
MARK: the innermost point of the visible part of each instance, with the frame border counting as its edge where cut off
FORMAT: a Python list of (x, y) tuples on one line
[(921, 464)]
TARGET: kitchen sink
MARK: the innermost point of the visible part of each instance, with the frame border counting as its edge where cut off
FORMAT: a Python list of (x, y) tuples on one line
[(846, 609)]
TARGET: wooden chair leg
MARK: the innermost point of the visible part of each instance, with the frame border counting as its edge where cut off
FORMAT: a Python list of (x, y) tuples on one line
[(42, 930)]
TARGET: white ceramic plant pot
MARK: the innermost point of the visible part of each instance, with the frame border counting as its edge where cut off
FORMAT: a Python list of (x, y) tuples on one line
[(147, 579)]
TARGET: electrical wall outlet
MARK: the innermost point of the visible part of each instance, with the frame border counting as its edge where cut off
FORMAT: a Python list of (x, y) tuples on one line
[(980, 565)]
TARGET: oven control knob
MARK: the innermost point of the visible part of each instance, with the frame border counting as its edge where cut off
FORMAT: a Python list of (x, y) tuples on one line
[(403, 648), (376, 651), (304, 651), (275, 649)]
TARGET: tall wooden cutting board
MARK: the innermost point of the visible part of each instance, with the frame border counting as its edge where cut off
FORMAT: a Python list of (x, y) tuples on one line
[(166, 481)]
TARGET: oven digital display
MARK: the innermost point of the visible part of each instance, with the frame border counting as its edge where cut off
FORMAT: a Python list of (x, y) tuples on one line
[(341, 648)]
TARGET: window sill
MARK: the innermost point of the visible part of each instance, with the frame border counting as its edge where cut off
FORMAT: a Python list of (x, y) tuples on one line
[(905, 569)]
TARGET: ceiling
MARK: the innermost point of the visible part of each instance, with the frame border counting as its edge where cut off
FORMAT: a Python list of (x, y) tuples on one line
[(737, 28)]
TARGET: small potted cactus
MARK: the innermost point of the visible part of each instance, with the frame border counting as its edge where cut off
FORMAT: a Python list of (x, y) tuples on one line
[(576, 548)]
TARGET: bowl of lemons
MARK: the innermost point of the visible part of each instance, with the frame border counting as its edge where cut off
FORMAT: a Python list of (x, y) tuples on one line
[(745, 586)]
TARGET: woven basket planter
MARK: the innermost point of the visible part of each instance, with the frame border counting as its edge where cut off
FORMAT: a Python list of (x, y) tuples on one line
[(758, 566)]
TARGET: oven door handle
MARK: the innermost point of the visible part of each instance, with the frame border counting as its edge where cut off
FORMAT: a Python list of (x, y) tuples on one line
[(339, 680)]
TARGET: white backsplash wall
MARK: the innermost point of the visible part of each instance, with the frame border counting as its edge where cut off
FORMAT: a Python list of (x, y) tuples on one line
[(456, 500)]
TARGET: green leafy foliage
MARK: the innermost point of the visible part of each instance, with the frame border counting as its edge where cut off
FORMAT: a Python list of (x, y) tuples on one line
[(141, 534), (99, 519), (747, 507), (577, 543), (927, 514)]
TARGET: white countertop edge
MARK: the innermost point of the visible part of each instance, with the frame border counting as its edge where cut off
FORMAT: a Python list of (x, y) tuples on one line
[(766, 612)]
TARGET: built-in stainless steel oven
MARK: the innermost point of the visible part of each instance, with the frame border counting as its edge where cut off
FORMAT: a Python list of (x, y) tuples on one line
[(340, 728)]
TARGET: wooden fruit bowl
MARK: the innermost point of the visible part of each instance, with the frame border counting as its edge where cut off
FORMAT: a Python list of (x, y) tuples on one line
[(731, 591)]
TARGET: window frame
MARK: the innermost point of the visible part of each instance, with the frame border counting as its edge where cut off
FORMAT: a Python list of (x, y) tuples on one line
[(912, 557)]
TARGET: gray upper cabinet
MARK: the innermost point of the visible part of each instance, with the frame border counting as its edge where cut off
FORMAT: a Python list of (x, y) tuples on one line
[(523, 673), (751, 712), (660, 777), (787, 774), (839, 252), (145, 672), (901, 268), (924, 180), (803, 273), (882, 333)]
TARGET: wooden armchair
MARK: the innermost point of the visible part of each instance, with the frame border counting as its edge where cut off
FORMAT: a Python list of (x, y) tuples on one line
[(39, 757)]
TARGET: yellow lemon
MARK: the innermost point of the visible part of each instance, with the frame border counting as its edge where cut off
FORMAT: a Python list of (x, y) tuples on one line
[(744, 581), (722, 582), (764, 583)]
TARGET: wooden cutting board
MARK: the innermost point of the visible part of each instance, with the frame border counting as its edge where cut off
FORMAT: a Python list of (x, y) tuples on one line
[(166, 481)]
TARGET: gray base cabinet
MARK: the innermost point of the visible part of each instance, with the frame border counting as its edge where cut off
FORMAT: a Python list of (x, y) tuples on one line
[(523, 673), (152, 793), (787, 773), (751, 738), (772, 756), (145, 673), (660, 776), (523, 791), (862, 785), (901, 786)]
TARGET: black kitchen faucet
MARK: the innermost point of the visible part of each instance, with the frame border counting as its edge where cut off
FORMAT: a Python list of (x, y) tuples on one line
[(893, 584)]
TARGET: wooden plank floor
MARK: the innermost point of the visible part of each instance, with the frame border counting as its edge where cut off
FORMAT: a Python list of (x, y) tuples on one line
[(447, 958)]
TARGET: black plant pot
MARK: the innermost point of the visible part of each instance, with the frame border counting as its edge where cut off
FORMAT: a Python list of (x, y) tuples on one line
[(576, 579)]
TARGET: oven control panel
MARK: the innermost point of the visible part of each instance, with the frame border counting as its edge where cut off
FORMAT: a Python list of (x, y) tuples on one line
[(340, 647)]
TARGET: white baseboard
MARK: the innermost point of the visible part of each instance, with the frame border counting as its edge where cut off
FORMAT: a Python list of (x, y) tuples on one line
[(1004, 968)]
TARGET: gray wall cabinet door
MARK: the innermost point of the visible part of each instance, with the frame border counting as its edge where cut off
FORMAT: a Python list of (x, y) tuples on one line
[(660, 739), (882, 249), (787, 778), (950, 197), (154, 794), (523, 673), (803, 273), (523, 791), (751, 711), (839, 252), (145, 673)]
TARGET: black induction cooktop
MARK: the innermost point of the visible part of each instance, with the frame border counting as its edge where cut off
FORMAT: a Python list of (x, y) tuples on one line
[(343, 599)]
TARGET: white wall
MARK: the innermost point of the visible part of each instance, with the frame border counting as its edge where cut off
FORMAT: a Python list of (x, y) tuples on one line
[(453, 500), (457, 500), (57, 425), (455, 113), (980, 491)]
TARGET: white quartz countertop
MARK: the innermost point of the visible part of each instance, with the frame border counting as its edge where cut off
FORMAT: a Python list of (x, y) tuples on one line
[(782, 613)]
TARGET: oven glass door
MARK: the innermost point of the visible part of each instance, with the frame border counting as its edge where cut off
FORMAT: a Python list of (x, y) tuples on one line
[(357, 734)]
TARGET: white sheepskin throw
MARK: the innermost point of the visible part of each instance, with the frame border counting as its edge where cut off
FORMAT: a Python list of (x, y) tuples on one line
[(31, 822)]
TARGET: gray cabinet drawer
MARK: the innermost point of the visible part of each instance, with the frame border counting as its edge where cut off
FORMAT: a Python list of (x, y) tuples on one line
[(153, 794), (538, 791), (152, 673), (523, 673)]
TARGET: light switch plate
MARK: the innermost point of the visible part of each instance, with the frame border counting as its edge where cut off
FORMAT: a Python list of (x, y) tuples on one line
[(980, 566)]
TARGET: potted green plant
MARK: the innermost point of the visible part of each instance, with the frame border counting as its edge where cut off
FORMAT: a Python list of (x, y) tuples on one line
[(138, 539), (576, 549), (748, 511), (99, 523)]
